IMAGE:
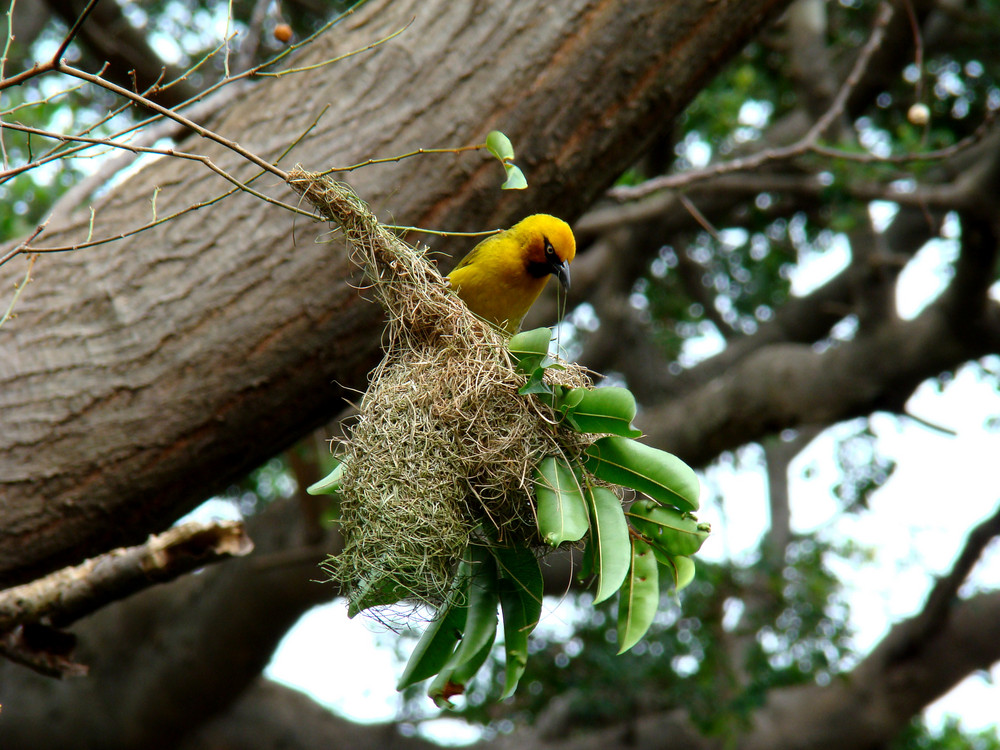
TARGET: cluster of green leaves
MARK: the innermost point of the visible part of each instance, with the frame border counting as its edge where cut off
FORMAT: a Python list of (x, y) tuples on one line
[(459, 640), (950, 736), (685, 659), (571, 506), (623, 552)]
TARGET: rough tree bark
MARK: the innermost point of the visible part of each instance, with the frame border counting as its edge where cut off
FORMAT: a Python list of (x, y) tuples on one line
[(140, 376)]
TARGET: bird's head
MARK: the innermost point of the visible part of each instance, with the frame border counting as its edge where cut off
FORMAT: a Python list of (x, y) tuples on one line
[(549, 247)]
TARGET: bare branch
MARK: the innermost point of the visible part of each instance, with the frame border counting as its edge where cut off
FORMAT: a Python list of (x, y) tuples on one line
[(809, 143), (65, 596), (42, 649), (80, 20)]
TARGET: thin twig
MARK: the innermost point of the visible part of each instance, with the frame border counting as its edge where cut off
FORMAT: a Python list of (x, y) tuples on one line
[(18, 289), (804, 145), (80, 19), (400, 157), (18, 249), (3, 64), (332, 60), (703, 222), (167, 112)]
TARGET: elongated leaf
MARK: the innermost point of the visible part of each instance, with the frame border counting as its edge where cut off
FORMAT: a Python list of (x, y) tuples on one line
[(609, 541), (561, 509), (685, 571), (438, 642), (330, 484), (519, 566), (659, 474), (521, 603), (481, 617), (500, 146), (639, 597), (480, 628), (676, 532), (608, 409), (452, 681)]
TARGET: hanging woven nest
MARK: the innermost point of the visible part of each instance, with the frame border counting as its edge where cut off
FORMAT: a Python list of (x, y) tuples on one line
[(444, 447)]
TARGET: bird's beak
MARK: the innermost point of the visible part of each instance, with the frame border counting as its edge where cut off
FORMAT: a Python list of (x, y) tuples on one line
[(561, 272)]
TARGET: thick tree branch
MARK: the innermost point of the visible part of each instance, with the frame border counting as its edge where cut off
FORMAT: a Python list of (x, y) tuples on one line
[(274, 717), (788, 385), (65, 596), (909, 640), (172, 657)]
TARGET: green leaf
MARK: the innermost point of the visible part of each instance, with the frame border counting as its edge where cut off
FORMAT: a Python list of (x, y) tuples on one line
[(609, 409), (515, 178), (681, 568), (480, 628), (450, 683), (676, 532), (519, 566), (438, 642), (535, 385), (500, 146), (659, 474), (520, 588), (639, 598), (530, 349), (685, 571), (570, 398), (561, 509), (609, 541), (330, 484), (481, 619)]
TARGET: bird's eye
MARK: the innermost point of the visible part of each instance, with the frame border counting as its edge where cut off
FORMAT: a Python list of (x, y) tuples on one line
[(550, 252)]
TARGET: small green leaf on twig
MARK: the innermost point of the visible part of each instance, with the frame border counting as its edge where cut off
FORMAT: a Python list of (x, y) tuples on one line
[(500, 146), (515, 178)]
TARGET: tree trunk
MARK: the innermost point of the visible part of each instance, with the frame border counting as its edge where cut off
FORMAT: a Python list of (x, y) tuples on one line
[(142, 375)]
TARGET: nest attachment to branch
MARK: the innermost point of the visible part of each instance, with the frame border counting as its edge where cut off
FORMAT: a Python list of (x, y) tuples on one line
[(444, 447)]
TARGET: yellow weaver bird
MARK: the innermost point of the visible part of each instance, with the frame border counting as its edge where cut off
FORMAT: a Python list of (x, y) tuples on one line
[(503, 275)]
